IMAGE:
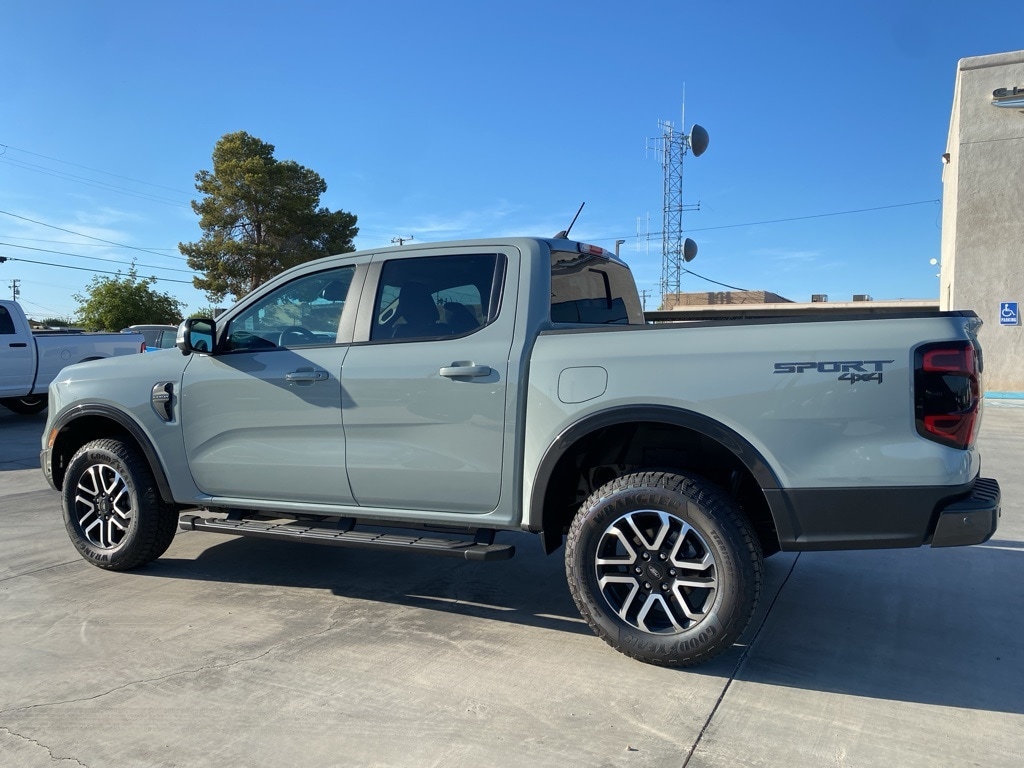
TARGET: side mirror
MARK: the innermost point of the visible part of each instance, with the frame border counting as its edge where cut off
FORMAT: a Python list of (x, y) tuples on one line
[(196, 334)]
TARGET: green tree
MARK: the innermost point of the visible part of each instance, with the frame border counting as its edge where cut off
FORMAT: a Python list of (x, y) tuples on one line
[(259, 216), (204, 312), (113, 303)]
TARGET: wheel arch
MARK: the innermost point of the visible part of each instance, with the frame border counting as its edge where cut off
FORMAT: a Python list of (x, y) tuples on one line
[(648, 437), (85, 423)]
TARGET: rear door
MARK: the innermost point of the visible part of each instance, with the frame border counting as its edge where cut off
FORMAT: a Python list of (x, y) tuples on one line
[(426, 394)]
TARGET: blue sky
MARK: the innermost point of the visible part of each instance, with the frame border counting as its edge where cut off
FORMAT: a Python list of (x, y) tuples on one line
[(454, 120)]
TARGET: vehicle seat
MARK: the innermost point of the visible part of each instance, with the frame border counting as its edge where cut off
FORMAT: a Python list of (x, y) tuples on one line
[(417, 313), (460, 318)]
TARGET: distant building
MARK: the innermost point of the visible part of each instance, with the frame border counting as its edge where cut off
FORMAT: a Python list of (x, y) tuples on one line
[(691, 309), (673, 300), (982, 204)]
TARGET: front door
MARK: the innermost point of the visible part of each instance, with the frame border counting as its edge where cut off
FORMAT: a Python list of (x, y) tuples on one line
[(261, 417)]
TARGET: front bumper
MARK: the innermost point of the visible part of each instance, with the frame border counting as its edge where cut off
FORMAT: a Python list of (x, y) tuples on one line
[(972, 520), (47, 465)]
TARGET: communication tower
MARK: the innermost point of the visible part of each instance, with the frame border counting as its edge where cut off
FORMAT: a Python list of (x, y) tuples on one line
[(672, 146)]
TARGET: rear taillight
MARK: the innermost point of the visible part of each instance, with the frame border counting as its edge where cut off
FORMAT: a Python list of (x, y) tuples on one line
[(947, 392)]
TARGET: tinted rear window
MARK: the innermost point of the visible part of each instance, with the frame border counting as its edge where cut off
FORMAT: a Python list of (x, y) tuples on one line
[(6, 321), (592, 289)]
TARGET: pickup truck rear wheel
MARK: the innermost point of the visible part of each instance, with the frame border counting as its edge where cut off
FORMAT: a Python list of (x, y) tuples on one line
[(664, 567), (26, 405), (112, 510)]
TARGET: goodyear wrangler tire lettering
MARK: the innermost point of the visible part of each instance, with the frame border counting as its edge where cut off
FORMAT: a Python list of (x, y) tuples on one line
[(664, 567)]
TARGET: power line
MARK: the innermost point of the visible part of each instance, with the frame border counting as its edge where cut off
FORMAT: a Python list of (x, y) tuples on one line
[(814, 216), (792, 218), (726, 285), (95, 183), (780, 221), (77, 245), (92, 258), (94, 170), (90, 237), (87, 269)]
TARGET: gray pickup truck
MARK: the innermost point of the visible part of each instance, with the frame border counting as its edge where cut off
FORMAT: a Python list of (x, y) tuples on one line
[(424, 399)]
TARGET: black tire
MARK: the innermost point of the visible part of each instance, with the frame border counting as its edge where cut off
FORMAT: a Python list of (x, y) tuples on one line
[(112, 510), (26, 405), (664, 567)]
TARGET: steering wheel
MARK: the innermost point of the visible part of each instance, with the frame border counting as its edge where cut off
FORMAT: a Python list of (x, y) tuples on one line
[(297, 336)]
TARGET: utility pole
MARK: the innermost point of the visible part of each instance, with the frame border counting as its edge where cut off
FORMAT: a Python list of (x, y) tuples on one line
[(401, 240), (15, 289), (643, 298)]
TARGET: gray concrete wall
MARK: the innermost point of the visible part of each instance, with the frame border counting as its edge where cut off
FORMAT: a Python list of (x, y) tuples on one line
[(983, 211)]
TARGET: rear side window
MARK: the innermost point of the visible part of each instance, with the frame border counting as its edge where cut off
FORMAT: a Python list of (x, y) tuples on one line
[(592, 289), (437, 297), (6, 321)]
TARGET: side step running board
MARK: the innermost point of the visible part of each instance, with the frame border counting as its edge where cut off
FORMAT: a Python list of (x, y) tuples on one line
[(321, 534)]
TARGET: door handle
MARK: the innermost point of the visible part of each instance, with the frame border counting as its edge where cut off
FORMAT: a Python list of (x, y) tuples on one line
[(18, 344), (470, 370), (307, 376)]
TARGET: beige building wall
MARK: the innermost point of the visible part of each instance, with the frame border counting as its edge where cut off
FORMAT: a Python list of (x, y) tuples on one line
[(983, 211)]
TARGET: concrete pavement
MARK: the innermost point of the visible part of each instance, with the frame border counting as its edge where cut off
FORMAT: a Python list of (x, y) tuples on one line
[(243, 652)]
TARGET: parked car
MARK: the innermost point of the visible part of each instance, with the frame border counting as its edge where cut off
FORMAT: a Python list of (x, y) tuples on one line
[(157, 336)]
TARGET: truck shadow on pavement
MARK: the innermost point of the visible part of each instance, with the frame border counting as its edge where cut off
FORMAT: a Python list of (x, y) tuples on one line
[(942, 627), (529, 589), (935, 627), (19, 439)]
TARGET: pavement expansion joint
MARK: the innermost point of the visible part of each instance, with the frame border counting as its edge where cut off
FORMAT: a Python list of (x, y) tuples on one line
[(739, 664)]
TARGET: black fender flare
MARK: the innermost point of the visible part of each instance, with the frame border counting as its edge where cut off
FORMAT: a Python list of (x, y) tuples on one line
[(67, 418), (748, 455)]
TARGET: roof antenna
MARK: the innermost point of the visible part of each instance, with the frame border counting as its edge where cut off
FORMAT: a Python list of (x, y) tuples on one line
[(565, 232)]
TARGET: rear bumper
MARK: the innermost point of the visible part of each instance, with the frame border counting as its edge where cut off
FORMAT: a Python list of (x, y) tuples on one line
[(972, 520), (879, 518)]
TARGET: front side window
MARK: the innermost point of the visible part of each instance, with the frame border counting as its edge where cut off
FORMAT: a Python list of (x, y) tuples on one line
[(303, 313), (437, 296)]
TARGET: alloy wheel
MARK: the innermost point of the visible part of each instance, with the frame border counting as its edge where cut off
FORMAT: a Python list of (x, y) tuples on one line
[(656, 572), (103, 506)]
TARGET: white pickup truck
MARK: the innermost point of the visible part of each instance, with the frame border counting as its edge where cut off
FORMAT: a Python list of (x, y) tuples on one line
[(29, 360)]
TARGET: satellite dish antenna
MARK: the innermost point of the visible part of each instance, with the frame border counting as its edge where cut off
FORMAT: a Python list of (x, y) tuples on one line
[(698, 140), (689, 249)]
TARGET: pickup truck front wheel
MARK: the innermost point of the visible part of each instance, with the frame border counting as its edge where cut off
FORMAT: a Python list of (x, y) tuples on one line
[(664, 567), (112, 510)]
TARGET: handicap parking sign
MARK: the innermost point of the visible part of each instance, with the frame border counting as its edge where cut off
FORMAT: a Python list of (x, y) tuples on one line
[(1008, 314)]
